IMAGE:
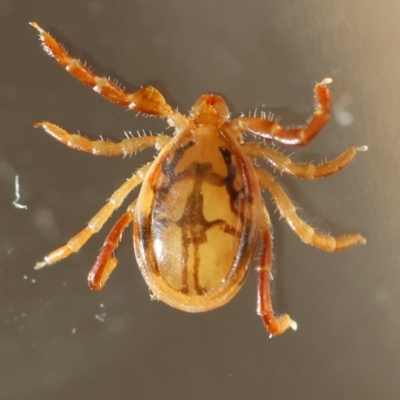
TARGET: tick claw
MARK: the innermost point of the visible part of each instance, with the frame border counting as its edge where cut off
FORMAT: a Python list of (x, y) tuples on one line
[(40, 265), (362, 148), (326, 81), (293, 325)]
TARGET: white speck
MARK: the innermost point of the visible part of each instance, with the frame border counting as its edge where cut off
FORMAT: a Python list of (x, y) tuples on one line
[(101, 305), (33, 280), (46, 48), (17, 197), (25, 277), (100, 317), (73, 331)]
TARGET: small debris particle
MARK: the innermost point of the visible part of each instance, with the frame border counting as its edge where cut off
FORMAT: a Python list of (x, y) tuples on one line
[(17, 196), (100, 317)]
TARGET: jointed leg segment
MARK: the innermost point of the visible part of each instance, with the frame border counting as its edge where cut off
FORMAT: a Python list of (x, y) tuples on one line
[(105, 263), (307, 171), (271, 130), (275, 325), (305, 232), (96, 223), (103, 147), (147, 100)]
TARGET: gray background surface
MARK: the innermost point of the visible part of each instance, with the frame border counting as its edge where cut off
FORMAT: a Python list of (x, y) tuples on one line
[(59, 340)]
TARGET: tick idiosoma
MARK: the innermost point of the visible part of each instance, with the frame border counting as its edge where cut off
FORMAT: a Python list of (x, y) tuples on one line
[(199, 215)]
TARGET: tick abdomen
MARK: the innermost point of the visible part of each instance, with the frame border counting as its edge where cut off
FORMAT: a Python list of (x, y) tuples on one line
[(197, 220)]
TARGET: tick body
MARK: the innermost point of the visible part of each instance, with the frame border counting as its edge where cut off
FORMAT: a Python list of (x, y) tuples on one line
[(199, 216), (197, 220)]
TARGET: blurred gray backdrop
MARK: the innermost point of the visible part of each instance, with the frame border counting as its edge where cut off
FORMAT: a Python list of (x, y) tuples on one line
[(59, 340)]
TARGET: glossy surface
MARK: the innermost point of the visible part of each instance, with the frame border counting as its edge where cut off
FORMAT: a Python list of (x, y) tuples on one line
[(197, 220)]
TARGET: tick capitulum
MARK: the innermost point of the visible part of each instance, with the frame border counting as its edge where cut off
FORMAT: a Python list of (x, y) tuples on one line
[(199, 214)]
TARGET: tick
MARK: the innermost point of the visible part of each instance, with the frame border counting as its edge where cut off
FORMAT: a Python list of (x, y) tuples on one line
[(199, 215)]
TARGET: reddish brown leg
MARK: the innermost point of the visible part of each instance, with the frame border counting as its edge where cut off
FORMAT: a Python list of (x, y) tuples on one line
[(271, 130), (306, 171), (275, 325), (97, 222), (305, 232), (147, 100), (105, 263), (103, 147)]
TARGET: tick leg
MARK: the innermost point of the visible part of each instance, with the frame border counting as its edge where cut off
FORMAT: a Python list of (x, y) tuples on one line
[(275, 325), (97, 222), (147, 100), (307, 171), (305, 232), (105, 263), (271, 130), (103, 147)]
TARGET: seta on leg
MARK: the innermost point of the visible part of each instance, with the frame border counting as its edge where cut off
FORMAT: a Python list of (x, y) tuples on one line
[(305, 232), (147, 100), (274, 325), (103, 147), (97, 222), (105, 263), (271, 130), (306, 171)]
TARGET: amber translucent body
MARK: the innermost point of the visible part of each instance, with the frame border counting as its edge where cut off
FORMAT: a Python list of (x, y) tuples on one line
[(201, 199), (199, 215)]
